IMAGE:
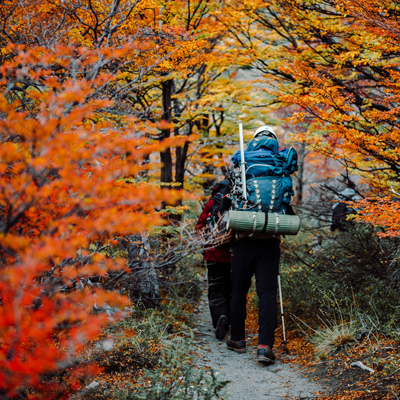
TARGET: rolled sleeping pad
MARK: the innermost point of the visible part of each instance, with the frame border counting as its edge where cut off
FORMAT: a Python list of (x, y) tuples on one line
[(254, 222)]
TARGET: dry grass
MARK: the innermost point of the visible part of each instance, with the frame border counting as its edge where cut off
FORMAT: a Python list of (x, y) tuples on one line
[(331, 338)]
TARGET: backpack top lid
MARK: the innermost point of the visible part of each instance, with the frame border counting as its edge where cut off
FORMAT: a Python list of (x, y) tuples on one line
[(265, 151), (348, 193), (220, 187), (256, 147), (263, 143)]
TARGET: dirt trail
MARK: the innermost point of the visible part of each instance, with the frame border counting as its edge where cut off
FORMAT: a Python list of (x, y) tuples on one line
[(249, 379)]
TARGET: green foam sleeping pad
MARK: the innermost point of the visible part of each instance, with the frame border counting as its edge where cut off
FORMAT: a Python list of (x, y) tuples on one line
[(254, 222)]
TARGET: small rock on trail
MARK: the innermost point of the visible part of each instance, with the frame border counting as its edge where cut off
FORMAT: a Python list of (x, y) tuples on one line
[(249, 379)]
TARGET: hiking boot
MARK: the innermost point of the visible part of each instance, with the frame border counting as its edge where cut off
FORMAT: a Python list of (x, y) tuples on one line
[(265, 355), (220, 330), (239, 347)]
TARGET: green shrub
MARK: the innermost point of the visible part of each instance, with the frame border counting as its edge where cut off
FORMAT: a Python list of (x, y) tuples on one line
[(176, 377), (150, 343), (354, 271)]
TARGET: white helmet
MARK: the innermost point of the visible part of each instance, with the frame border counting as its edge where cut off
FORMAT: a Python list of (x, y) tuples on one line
[(265, 130)]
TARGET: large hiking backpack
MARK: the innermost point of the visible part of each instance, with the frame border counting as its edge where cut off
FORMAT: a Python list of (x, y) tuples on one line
[(341, 210), (268, 181), (215, 223), (221, 203)]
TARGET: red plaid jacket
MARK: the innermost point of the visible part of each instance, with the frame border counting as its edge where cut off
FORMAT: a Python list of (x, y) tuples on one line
[(217, 254)]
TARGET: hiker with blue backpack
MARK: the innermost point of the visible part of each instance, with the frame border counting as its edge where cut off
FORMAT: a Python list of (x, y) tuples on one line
[(260, 210)]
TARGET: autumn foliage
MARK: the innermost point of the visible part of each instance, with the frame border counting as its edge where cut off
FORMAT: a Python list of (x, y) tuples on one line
[(103, 103), (85, 106), (63, 187), (337, 61)]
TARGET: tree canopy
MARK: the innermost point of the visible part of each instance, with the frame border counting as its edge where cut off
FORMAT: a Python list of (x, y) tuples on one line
[(115, 113)]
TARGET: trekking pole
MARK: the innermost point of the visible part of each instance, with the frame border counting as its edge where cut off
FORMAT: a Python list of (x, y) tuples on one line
[(283, 318), (242, 160)]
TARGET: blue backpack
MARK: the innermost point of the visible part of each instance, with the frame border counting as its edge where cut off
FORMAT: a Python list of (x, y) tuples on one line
[(268, 170)]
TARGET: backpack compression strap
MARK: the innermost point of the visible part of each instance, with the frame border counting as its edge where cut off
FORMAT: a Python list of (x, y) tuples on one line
[(265, 223), (276, 223), (254, 223)]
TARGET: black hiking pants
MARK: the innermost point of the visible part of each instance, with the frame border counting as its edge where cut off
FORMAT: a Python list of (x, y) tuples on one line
[(219, 289), (259, 257)]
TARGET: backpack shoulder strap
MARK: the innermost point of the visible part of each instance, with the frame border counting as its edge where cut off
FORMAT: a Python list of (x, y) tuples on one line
[(292, 161)]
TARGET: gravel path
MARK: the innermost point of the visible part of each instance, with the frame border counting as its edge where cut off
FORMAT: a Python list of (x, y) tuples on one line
[(249, 379)]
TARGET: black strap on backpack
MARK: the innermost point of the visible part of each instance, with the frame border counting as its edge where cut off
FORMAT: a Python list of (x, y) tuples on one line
[(265, 223)]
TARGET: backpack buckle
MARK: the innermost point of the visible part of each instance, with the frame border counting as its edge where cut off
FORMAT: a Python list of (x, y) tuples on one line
[(276, 223), (254, 223)]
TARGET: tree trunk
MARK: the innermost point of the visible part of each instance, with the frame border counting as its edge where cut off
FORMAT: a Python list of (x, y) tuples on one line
[(143, 276), (165, 156), (149, 287), (300, 173), (181, 155), (181, 151), (148, 278)]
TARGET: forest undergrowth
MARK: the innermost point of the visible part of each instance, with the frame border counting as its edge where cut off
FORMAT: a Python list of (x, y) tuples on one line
[(339, 296), (150, 351), (336, 314)]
